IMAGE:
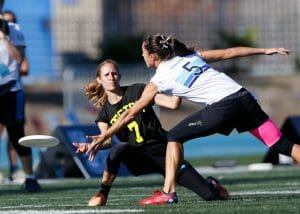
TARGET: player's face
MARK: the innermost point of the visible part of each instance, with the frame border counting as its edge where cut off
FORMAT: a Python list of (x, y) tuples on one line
[(109, 77), (8, 17), (148, 58)]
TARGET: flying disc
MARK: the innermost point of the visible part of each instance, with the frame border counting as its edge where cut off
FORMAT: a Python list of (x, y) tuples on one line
[(38, 141)]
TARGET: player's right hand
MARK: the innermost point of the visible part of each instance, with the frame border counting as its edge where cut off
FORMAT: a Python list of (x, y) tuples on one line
[(82, 148), (271, 51)]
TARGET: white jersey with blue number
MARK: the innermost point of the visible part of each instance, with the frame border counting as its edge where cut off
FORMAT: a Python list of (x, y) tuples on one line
[(193, 79), (17, 39), (8, 67)]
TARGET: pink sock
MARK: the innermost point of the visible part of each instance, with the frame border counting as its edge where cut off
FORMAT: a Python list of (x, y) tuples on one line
[(268, 133)]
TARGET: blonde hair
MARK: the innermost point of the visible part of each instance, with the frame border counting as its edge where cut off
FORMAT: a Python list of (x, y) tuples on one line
[(94, 90)]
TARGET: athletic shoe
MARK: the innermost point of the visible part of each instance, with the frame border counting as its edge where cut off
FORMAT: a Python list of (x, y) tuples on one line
[(222, 192), (17, 176), (31, 185), (160, 197), (97, 200)]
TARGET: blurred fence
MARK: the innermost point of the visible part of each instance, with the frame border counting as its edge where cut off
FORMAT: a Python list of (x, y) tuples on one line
[(265, 23), (268, 23)]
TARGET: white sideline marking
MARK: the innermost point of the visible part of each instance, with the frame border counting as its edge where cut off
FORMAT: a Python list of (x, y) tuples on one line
[(276, 192), (74, 211)]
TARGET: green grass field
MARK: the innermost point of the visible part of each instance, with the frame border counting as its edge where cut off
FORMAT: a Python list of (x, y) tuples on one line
[(271, 191)]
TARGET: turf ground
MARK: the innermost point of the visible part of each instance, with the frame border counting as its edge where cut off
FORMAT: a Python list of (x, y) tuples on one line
[(271, 191)]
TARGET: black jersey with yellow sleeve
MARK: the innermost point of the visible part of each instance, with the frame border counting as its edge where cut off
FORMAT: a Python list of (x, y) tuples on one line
[(145, 129)]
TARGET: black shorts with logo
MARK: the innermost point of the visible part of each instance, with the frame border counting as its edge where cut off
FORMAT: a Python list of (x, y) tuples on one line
[(239, 110)]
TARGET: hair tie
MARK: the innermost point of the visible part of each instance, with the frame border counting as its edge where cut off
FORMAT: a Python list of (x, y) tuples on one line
[(165, 42)]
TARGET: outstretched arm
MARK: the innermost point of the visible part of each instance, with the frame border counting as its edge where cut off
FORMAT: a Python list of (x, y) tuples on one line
[(230, 53), (127, 116)]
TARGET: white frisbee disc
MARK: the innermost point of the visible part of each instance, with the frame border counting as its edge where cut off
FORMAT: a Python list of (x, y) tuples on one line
[(38, 141)]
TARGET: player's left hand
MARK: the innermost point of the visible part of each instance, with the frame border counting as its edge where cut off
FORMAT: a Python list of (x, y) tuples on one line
[(271, 51)]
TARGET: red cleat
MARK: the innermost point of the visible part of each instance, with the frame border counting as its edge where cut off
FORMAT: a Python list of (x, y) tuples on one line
[(97, 200), (160, 197), (223, 193)]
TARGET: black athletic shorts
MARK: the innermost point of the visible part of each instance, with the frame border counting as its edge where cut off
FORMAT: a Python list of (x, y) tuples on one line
[(12, 106), (239, 110), (138, 160)]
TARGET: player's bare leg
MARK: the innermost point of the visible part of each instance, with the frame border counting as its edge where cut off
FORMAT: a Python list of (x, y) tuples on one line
[(100, 198), (174, 156), (296, 153), (27, 164), (108, 178)]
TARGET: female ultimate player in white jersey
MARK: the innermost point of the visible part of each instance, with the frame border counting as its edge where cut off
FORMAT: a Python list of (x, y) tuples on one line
[(184, 72)]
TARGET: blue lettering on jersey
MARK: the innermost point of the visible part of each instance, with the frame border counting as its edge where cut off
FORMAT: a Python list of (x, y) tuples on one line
[(191, 72)]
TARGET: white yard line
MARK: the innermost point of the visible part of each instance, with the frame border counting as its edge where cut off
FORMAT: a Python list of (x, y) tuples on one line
[(265, 192)]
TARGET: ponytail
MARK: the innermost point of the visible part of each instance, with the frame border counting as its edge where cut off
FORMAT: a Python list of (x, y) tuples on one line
[(95, 93)]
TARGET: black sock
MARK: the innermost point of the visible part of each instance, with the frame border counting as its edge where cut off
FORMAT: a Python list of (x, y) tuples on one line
[(104, 189), (191, 179)]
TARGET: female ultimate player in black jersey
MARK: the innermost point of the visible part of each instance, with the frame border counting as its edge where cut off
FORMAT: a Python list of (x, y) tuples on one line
[(143, 142)]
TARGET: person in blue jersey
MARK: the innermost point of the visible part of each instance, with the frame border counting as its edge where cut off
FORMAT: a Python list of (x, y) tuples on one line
[(14, 172), (143, 142), (12, 98), (185, 72), (10, 16)]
